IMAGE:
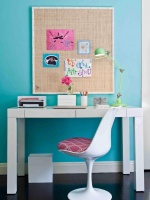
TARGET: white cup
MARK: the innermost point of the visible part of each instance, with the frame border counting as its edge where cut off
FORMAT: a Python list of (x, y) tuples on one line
[(83, 100)]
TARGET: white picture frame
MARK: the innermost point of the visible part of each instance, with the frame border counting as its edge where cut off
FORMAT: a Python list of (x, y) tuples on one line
[(83, 47)]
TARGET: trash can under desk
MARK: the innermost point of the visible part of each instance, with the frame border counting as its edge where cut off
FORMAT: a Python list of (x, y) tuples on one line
[(40, 168)]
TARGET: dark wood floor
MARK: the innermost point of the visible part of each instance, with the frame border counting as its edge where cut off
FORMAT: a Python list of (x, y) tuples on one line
[(120, 186)]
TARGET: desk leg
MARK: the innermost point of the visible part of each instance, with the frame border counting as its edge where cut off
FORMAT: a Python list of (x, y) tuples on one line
[(139, 154), (11, 155), (21, 147), (126, 145)]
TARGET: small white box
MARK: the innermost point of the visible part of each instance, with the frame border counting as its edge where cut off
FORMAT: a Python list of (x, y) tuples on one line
[(66, 100), (40, 168)]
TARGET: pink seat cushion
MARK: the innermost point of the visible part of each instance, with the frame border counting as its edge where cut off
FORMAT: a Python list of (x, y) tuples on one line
[(74, 144)]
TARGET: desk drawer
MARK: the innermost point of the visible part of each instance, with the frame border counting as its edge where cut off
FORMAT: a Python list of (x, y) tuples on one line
[(90, 113), (49, 113)]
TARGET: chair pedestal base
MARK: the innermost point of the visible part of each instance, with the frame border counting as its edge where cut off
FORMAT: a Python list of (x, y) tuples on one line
[(89, 194)]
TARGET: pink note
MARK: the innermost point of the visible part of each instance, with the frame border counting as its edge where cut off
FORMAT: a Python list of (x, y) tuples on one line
[(60, 39)]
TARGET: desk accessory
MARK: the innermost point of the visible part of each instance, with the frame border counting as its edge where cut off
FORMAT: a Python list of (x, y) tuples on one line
[(100, 53), (31, 101), (100, 102), (84, 99), (66, 100)]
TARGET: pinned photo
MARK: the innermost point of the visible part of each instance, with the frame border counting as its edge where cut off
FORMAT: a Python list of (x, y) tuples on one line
[(51, 60)]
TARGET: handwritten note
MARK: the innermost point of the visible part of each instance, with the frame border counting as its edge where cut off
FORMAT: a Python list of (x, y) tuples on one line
[(78, 67)]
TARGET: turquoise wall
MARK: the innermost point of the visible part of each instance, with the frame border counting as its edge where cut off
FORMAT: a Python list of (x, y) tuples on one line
[(42, 135)]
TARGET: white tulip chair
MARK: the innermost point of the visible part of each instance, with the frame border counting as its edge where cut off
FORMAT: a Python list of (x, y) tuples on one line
[(90, 150)]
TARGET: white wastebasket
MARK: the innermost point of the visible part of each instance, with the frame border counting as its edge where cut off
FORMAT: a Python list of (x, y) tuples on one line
[(40, 168)]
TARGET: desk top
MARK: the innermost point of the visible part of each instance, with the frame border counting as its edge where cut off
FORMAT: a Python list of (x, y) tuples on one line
[(89, 112)]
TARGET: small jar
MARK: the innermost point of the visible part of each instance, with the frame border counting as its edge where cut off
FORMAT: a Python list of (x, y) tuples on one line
[(84, 100)]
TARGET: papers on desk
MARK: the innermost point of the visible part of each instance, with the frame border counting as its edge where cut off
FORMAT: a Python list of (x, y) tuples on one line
[(98, 106), (70, 107)]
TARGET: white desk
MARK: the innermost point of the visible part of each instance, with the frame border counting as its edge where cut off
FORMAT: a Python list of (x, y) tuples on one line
[(16, 132)]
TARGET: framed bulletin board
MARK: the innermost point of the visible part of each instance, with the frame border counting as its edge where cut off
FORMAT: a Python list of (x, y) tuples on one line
[(67, 36)]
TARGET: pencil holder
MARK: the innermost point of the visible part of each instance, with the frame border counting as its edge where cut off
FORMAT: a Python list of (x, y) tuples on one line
[(83, 100)]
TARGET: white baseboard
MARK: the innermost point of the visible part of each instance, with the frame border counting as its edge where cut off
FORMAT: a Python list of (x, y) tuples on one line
[(79, 167)]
